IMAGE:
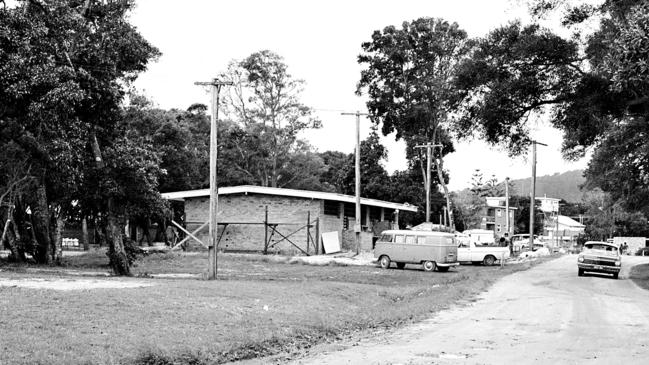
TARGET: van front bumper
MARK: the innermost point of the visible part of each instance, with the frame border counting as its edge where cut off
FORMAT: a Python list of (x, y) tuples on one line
[(447, 264)]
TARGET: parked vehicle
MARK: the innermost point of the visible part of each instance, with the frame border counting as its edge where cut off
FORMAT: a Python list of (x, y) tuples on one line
[(481, 237), (600, 257), (644, 251), (521, 242), (433, 250), (486, 254)]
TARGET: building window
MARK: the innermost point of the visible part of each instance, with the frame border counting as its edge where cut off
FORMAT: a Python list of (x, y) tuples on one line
[(331, 207)]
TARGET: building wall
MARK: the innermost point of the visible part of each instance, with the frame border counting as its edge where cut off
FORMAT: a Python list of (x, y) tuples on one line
[(290, 214), (492, 221)]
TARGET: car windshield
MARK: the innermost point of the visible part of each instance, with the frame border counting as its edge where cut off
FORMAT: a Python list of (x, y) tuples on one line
[(599, 246)]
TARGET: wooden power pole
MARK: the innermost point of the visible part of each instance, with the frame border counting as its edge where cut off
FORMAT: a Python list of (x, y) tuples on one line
[(357, 224), (429, 154), (215, 86), (507, 207), (533, 192)]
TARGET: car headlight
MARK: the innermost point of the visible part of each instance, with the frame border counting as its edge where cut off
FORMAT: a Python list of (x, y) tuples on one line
[(618, 263), (580, 259)]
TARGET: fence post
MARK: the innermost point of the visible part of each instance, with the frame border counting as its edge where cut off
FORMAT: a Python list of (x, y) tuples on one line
[(266, 231), (317, 236), (308, 230)]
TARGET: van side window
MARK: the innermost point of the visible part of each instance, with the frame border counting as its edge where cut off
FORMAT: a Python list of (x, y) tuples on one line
[(421, 240), (399, 239), (411, 239), (386, 238)]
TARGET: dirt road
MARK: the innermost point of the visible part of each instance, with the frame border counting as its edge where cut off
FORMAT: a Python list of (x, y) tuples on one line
[(545, 315)]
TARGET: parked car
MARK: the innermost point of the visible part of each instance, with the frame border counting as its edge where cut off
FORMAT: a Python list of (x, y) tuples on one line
[(644, 251), (433, 250), (600, 257), (520, 242), (535, 246)]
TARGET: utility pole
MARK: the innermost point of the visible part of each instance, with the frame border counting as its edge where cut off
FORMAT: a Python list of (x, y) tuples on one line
[(533, 192), (429, 154), (507, 206), (215, 85), (357, 224), (557, 225)]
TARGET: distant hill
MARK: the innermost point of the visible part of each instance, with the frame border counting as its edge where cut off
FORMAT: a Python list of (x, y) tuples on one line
[(560, 185)]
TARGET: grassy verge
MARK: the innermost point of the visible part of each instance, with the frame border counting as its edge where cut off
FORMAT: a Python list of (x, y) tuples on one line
[(640, 275), (260, 306)]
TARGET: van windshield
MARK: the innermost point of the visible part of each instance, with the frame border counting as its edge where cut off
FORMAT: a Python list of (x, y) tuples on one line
[(387, 238)]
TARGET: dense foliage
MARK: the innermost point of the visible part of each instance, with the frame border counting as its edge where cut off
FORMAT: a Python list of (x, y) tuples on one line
[(63, 67)]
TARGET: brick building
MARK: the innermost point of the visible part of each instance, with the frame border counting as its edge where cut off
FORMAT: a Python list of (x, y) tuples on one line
[(243, 209)]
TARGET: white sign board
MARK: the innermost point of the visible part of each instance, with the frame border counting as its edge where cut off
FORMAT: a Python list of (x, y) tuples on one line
[(330, 242)]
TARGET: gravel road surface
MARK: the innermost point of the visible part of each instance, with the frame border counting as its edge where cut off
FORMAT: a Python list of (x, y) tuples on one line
[(546, 315)]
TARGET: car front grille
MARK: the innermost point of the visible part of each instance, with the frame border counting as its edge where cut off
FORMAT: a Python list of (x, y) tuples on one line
[(599, 262)]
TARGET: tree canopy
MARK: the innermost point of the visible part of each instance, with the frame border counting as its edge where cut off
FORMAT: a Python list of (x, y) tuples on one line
[(408, 78), (63, 68)]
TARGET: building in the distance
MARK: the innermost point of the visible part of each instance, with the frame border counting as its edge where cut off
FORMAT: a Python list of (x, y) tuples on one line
[(562, 229), (494, 216), (252, 218)]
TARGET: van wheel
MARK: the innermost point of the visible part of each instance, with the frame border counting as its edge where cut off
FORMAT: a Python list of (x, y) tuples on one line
[(442, 269), (429, 266), (580, 272), (401, 265), (384, 261), (615, 275), (489, 260)]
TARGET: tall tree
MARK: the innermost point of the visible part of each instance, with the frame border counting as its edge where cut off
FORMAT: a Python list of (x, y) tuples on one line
[(63, 65), (408, 78), (264, 102)]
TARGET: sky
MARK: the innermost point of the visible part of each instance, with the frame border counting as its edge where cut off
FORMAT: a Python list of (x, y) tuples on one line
[(320, 42)]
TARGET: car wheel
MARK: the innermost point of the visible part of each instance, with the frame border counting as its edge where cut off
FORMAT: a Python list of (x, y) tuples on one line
[(384, 261), (580, 272), (429, 266), (442, 269), (401, 265), (489, 260), (615, 275)]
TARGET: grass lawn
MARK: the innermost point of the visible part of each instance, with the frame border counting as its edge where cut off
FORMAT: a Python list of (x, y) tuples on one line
[(640, 275), (259, 306)]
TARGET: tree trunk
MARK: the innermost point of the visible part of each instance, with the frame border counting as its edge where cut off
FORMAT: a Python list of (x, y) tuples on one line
[(146, 231), (40, 225), (116, 252), (17, 246), (5, 229), (57, 239), (84, 234)]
